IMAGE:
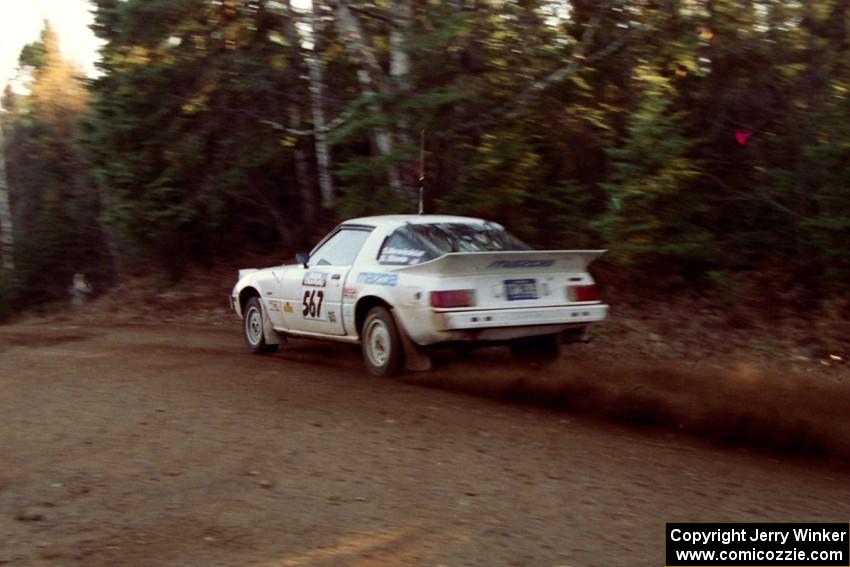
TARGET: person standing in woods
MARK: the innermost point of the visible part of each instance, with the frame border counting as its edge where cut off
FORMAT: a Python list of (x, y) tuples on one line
[(79, 290)]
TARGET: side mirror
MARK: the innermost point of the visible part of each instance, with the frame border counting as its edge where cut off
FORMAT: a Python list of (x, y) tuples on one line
[(302, 258)]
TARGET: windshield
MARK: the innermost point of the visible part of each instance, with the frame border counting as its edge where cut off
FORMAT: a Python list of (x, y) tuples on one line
[(416, 243)]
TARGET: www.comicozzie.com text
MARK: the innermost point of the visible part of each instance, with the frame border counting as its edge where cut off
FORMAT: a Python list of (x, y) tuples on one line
[(726, 536)]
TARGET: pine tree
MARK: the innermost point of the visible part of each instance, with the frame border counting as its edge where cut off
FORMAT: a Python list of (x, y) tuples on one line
[(7, 238), (651, 213), (56, 208), (827, 229)]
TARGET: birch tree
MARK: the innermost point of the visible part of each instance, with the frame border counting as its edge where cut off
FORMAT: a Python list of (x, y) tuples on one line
[(372, 81), (7, 239), (316, 72), (293, 109), (401, 15)]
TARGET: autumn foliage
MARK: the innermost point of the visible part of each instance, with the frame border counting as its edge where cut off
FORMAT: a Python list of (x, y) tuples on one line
[(696, 140)]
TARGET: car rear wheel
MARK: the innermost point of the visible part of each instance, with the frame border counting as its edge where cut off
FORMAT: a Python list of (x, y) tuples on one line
[(544, 347), (380, 342), (252, 328)]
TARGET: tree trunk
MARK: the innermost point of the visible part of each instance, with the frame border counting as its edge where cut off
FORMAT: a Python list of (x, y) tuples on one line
[(402, 14), (108, 234), (372, 79), (302, 171), (284, 230), (381, 136), (293, 109), (316, 71), (266, 205), (351, 33), (7, 238)]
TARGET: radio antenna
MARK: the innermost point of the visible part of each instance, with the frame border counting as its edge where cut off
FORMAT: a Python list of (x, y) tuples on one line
[(422, 171)]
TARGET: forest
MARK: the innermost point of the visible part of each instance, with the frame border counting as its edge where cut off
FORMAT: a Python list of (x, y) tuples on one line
[(702, 142)]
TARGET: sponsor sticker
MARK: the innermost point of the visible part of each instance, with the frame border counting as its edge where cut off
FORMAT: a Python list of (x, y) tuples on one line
[(400, 256), (274, 305), (315, 279), (332, 316), (287, 307), (375, 278), (521, 264), (349, 292)]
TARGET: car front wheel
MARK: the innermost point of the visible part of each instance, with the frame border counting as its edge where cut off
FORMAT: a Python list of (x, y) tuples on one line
[(252, 328), (380, 342)]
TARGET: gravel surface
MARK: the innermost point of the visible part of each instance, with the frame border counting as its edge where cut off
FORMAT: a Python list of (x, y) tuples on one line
[(160, 445)]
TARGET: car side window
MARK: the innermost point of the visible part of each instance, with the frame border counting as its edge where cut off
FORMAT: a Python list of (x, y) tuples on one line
[(401, 249), (341, 249)]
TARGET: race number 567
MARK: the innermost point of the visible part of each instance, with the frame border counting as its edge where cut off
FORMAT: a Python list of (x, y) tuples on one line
[(311, 305)]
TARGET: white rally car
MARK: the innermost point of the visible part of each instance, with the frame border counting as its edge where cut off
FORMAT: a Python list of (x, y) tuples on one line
[(397, 284)]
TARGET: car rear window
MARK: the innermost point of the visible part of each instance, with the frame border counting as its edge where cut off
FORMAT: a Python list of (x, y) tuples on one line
[(417, 243)]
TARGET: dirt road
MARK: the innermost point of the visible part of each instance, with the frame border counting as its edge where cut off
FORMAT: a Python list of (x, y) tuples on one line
[(165, 446)]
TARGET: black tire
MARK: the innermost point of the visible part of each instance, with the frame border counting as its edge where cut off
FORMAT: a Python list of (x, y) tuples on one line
[(544, 347), (380, 343), (463, 350), (252, 328)]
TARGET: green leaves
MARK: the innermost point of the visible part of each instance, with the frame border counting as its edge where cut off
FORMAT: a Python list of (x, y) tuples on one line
[(199, 127), (652, 208)]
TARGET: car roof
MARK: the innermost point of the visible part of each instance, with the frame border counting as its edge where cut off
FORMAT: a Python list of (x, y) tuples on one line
[(391, 221)]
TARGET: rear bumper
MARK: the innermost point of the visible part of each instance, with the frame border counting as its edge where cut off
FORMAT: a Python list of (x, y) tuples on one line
[(522, 317)]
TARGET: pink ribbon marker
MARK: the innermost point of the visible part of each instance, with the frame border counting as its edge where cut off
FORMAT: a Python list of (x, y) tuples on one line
[(743, 136)]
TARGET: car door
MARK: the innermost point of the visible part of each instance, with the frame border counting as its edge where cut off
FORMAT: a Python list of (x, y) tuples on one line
[(312, 299)]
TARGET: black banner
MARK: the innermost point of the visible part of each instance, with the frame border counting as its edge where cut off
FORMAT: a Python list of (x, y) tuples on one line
[(758, 544)]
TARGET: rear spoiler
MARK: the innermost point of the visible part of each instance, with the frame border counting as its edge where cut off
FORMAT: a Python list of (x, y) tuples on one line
[(463, 263)]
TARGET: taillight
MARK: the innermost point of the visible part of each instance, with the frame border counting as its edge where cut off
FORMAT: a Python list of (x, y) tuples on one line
[(582, 293), (453, 298)]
